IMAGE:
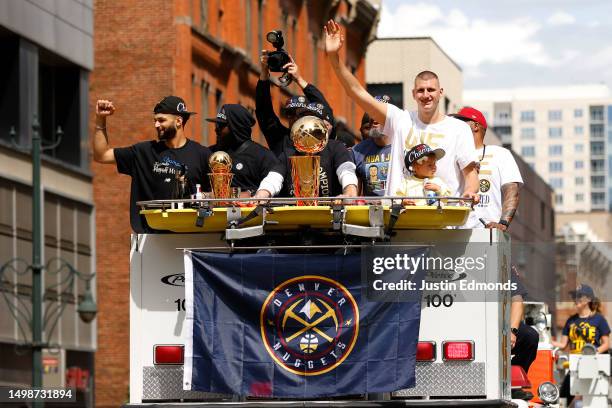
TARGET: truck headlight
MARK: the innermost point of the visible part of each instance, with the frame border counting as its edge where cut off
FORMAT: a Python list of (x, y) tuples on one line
[(548, 392)]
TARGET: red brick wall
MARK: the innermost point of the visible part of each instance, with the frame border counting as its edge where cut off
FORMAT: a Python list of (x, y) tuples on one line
[(133, 67), (147, 50)]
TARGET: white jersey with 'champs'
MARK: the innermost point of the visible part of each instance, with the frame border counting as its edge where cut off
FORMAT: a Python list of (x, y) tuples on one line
[(450, 134)]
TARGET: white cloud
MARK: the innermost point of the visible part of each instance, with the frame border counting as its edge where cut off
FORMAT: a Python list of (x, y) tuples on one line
[(470, 42), (600, 60), (561, 18)]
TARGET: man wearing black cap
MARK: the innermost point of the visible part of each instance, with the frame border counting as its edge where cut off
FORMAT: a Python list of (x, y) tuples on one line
[(276, 134), (255, 168), (337, 170), (373, 152), (168, 168)]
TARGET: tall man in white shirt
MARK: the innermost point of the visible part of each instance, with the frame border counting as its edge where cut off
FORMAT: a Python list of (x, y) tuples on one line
[(499, 177), (407, 129)]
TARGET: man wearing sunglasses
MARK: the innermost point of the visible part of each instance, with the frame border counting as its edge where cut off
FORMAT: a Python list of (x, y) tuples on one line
[(255, 168), (168, 168), (277, 134)]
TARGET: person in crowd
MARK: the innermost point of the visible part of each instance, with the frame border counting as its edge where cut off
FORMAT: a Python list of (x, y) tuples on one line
[(256, 169), (337, 171), (523, 338), (277, 134), (586, 326), (373, 152), (406, 129), (421, 162), (167, 168), (499, 177)]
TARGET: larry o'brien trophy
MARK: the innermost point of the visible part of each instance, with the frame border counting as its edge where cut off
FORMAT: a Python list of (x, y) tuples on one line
[(220, 165), (309, 135)]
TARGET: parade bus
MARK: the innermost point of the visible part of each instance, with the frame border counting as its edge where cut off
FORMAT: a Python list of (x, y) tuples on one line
[(463, 351)]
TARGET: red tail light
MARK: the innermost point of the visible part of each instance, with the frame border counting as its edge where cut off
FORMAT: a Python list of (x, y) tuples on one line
[(426, 351), (169, 354), (458, 350)]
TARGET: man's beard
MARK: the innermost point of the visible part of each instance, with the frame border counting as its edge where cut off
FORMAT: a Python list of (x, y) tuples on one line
[(375, 133), (167, 134)]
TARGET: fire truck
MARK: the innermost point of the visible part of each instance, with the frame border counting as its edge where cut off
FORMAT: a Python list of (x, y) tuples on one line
[(463, 353)]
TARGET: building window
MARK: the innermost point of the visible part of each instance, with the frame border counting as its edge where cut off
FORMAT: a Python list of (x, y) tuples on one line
[(528, 116), (394, 90), (555, 166), (248, 31), (597, 113), (578, 130), (528, 151), (597, 165), (578, 164), (260, 25), (579, 181), (555, 150), (598, 198), (559, 199), (60, 105), (528, 133), (555, 115), (204, 87), (204, 14), (503, 116), (555, 132), (579, 197), (597, 131), (578, 148), (598, 181), (577, 113), (556, 182), (597, 148)]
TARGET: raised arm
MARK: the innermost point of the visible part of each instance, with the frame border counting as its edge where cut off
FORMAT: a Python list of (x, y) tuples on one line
[(102, 152), (334, 39), (272, 128)]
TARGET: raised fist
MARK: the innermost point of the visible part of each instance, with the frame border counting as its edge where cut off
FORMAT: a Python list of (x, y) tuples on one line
[(104, 108)]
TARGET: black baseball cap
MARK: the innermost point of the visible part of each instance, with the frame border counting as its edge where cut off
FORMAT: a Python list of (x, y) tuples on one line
[(173, 105), (319, 110), (422, 150), (221, 117), (583, 290), (296, 101)]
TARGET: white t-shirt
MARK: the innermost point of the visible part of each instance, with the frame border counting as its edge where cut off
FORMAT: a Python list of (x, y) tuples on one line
[(497, 167), (450, 134), (412, 186)]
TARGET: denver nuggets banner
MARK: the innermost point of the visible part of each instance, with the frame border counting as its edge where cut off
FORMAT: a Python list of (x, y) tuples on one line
[(273, 325)]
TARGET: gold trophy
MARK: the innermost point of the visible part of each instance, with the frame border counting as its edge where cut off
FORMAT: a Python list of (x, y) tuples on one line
[(309, 135), (221, 177)]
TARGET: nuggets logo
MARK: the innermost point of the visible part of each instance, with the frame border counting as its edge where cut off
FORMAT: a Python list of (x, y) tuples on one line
[(309, 324), (485, 185)]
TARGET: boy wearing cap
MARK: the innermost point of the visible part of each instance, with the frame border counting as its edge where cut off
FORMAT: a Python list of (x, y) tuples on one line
[(159, 169), (255, 168), (499, 177), (421, 161), (276, 134)]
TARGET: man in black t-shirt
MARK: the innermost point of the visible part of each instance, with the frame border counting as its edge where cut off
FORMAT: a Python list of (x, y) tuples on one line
[(337, 171), (523, 339), (169, 168), (256, 169)]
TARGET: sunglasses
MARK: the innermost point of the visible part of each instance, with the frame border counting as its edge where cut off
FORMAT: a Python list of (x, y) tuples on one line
[(219, 126)]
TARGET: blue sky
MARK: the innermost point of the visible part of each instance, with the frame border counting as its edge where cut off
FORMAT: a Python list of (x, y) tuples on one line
[(501, 43)]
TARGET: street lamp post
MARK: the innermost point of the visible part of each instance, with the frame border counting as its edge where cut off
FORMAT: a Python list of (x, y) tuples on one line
[(87, 308)]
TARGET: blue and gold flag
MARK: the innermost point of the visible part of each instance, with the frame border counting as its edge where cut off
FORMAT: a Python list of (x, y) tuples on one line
[(293, 326)]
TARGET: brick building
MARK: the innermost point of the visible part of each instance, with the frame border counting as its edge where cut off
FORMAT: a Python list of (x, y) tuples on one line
[(207, 52)]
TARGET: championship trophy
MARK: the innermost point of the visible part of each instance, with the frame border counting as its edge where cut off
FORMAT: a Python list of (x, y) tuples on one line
[(309, 135), (220, 165)]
